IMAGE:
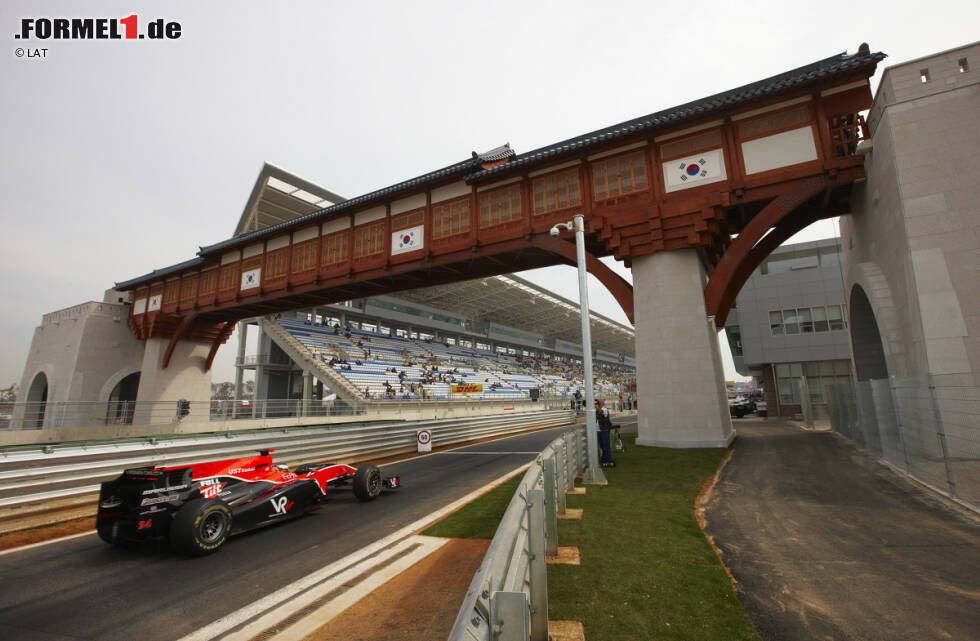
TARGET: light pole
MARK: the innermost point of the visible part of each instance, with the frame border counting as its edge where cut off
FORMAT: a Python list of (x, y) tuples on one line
[(593, 474)]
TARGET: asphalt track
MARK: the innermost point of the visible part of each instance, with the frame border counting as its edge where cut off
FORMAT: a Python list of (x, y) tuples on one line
[(826, 543), (81, 588)]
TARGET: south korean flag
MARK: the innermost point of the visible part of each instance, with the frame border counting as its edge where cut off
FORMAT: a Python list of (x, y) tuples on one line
[(694, 171)]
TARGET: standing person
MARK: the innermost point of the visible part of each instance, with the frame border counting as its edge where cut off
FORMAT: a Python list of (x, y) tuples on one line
[(604, 423)]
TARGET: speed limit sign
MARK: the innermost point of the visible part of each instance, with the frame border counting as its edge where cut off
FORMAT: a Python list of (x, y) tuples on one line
[(424, 438)]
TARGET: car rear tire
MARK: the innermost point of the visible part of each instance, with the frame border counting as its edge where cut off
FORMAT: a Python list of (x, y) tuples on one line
[(367, 483), (105, 533), (200, 527)]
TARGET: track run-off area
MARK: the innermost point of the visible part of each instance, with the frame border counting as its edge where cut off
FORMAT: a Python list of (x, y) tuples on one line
[(263, 581)]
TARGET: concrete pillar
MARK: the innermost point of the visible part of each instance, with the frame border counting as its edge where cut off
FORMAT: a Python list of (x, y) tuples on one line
[(185, 377), (679, 375), (307, 392), (240, 365)]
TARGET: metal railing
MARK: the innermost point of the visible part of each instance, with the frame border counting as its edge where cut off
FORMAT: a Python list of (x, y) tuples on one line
[(51, 415), (508, 597), (41, 473), (928, 427)]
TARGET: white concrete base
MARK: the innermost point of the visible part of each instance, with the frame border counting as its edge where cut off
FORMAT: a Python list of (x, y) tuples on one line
[(184, 377), (679, 376)]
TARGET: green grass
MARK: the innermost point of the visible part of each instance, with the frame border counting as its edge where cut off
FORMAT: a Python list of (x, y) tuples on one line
[(647, 571), (479, 519)]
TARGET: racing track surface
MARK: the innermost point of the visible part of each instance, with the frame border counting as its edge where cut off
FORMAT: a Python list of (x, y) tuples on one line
[(82, 588)]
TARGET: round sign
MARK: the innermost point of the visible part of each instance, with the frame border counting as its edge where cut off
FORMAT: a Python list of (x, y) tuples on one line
[(693, 169), (424, 437)]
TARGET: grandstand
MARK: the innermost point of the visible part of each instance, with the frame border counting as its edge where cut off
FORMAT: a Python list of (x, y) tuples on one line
[(421, 344)]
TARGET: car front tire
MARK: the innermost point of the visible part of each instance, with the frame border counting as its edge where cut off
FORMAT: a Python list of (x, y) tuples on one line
[(367, 483)]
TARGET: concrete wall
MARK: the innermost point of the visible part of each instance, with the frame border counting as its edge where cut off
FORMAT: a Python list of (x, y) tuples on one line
[(84, 351), (913, 241)]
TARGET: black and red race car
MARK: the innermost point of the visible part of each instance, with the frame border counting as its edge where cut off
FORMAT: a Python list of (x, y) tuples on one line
[(198, 506)]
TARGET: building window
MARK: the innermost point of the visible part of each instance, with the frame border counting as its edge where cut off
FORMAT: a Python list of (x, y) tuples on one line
[(275, 264), (556, 191), (734, 333), (619, 175), (369, 240), (807, 320), (815, 376), (500, 206), (450, 219)]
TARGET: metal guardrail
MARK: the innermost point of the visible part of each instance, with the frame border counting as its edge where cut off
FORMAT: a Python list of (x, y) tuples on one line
[(42, 473), (508, 597), (53, 415)]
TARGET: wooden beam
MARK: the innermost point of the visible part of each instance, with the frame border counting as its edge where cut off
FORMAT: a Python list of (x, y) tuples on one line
[(182, 328), (218, 342)]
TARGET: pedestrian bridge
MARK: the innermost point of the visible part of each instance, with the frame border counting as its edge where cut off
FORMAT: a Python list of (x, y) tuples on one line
[(692, 198)]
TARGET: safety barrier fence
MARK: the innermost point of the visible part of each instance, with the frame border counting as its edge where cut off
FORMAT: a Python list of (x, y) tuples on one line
[(116, 413), (508, 597), (928, 427), (35, 474)]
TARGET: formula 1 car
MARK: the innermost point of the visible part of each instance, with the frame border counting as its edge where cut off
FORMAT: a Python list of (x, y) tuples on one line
[(199, 506)]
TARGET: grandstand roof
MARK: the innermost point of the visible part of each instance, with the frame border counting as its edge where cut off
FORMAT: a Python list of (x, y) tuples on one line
[(515, 302)]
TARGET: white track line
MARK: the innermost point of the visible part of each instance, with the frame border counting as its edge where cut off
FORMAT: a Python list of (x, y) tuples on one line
[(423, 546), (234, 619)]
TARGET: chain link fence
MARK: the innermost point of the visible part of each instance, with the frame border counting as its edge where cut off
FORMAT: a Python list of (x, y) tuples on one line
[(928, 426)]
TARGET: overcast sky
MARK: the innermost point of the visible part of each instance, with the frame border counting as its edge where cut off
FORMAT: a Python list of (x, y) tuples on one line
[(120, 156)]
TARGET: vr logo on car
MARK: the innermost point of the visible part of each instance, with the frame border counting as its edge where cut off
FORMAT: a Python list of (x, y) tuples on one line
[(280, 505)]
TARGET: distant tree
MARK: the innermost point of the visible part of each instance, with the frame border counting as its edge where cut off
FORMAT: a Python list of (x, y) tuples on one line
[(222, 391), (9, 394), (249, 391)]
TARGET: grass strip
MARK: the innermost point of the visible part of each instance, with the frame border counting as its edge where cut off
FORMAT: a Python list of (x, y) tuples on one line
[(647, 570), (479, 519)]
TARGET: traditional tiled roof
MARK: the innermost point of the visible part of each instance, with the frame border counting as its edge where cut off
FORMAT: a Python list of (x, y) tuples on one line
[(157, 274), (458, 169), (795, 79)]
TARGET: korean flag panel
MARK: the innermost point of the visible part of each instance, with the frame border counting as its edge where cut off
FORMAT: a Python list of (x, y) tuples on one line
[(694, 171)]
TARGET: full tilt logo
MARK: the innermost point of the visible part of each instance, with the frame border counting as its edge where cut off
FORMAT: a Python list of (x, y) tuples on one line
[(210, 488), (280, 505), (127, 28)]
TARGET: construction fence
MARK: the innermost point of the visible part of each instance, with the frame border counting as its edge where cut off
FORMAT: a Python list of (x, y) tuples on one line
[(927, 426)]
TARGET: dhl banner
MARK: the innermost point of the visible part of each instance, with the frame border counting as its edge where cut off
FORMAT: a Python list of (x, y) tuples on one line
[(467, 389)]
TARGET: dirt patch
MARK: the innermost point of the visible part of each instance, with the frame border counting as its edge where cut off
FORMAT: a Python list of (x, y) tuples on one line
[(420, 603), (46, 532), (699, 509)]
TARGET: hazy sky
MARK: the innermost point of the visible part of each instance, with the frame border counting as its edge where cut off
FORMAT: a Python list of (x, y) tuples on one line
[(123, 156)]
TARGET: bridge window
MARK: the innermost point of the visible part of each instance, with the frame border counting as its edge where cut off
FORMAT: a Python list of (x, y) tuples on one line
[(775, 122), (846, 131), (556, 191), (276, 264), (692, 145), (619, 175), (209, 280), (334, 249), (304, 257), (500, 206), (450, 219), (411, 219), (369, 240)]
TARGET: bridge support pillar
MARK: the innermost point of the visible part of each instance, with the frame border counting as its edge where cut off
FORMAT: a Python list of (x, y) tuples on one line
[(679, 376), (184, 377)]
